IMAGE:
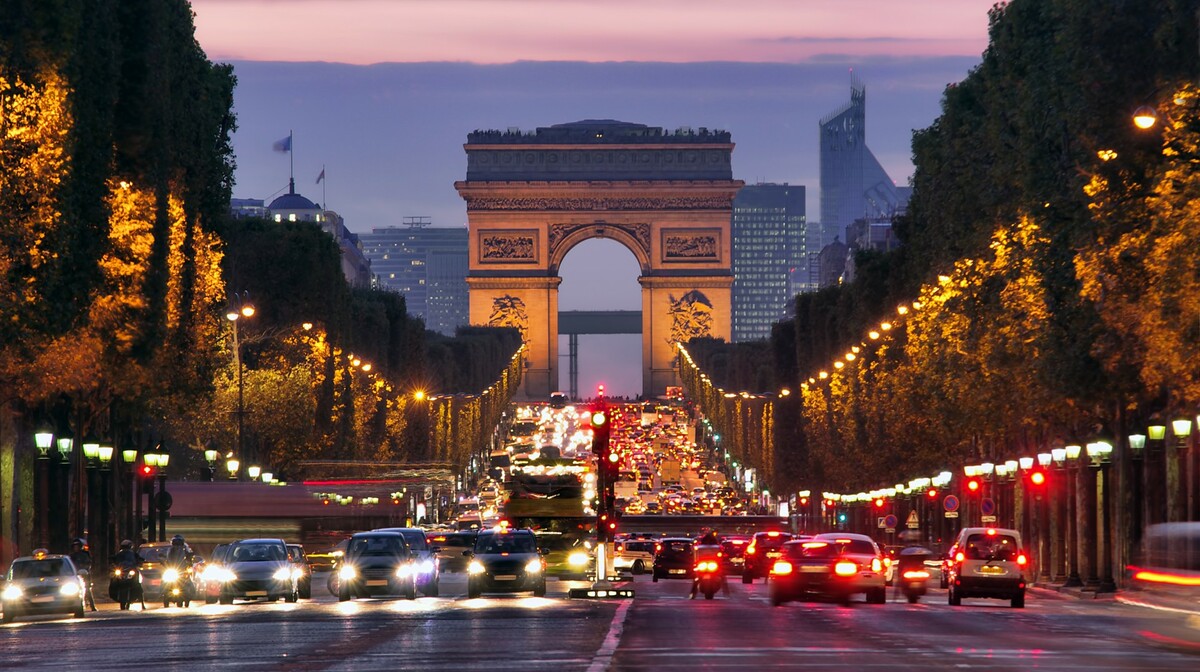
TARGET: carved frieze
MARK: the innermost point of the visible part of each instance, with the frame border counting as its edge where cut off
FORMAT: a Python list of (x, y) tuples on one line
[(691, 245), (691, 317), (509, 311), (576, 204), (507, 247)]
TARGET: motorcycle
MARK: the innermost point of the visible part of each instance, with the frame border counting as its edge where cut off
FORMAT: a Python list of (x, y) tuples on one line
[(708, 578), (178, 586), (125, 586), (911, 573)]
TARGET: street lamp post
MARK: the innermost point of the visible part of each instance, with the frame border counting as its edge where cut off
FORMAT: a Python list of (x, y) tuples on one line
[(1156, 511), (231, 465), (60, 488), (1042, 514), (1103, 455), (1059, 519), (91, 453), (1137, 446), (1090, 533), (239, 307), (102, 535), (43, 440), (163, 502), (1073, 507), (129, 459), (210, 456)]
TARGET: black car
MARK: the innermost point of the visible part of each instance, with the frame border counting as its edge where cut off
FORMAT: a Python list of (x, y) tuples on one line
[(506, 561), (764, 549), (449, 547), (428, 574), (674, 558), (377, 563)]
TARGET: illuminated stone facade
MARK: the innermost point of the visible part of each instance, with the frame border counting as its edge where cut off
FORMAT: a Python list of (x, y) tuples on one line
[(667, 196)]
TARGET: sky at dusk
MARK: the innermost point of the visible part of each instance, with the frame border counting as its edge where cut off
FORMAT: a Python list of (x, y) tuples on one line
[(382, 94)]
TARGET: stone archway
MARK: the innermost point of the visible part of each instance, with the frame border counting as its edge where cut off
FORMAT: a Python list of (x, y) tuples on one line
[(667, 197)]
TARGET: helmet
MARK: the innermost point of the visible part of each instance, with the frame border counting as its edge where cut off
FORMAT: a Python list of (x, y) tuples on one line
[(125, 543), (177, 540), (78, 542)]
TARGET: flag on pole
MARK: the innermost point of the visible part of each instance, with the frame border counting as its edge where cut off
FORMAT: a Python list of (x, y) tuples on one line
[(321, 176), (284, 145)]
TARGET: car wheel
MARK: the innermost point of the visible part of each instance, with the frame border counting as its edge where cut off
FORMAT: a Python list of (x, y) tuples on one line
[(777, 598), (639, 567), (166, 603), (431, 590), (292, 597), (306, 590), (209, 599), (410, 593), (877, 596), (654, 579), (540, 590), (1018, 601), (8, 615), (344, 593), (78, 613), (912, 599), (226, 599), (746, 578), (943, 582), (955, 598), (472, 590)]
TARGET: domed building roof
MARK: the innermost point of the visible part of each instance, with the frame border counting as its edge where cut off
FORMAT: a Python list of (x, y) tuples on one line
[(292, 202)]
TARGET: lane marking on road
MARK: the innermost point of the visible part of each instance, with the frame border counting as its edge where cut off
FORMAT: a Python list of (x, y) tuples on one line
[(604, 655)]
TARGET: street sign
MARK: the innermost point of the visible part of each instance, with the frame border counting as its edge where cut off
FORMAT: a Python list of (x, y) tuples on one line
[(950, 503), (163, 501), (987, 506), (952, 514), (889, 520), (988, 519), (881, 525), (913, 522)]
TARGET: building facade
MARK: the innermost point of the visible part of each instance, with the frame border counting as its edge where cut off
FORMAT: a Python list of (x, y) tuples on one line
[(293, 207), (770, 237), (428, 265)]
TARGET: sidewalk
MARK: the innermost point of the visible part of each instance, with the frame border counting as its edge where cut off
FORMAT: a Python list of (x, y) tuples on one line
[(1073, 592)]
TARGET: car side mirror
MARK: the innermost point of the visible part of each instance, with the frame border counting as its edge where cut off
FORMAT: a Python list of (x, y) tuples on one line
[(197, 558), (467, 554)]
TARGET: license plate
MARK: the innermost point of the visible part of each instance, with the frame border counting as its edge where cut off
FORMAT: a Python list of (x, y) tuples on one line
[(678, 571), (773, 554), (155, 582), (992, 571), (738, 561), (43, 598), (813, 569), (506, 577), (256, 593), (377, 582)]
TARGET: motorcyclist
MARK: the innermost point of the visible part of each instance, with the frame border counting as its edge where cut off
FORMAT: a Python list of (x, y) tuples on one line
[(179, 555), (82, 559), (126, 558), (709, 549)]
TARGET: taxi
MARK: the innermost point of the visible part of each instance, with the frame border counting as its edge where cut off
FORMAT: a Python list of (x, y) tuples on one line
[(42, 583)]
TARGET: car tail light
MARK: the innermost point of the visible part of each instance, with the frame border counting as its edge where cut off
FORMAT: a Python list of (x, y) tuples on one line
[(750, 550), (1021, 560), (916, 574), (706, 566), (876, 565), (958, 557), (845, 568), (782, 568)]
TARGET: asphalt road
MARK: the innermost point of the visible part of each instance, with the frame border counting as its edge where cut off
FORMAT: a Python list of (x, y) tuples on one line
[(659, 630)]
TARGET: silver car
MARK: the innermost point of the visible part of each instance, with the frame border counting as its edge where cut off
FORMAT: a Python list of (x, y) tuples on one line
[(42, 584), (255, 568)]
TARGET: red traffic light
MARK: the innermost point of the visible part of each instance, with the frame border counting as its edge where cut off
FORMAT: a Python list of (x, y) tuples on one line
[(1037, 477), (804, 501), (147, 470), (932, 493), (879, 503), (614, 457), (973, 484)]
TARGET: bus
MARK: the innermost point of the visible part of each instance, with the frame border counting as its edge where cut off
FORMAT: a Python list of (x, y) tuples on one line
[(626, 485)]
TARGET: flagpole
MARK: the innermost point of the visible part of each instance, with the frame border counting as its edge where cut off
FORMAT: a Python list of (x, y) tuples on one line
[(324, 179), (291, 158)]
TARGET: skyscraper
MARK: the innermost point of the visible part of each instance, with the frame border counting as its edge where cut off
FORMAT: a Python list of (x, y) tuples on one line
[(853, 184), (769, 236), (428, 265)]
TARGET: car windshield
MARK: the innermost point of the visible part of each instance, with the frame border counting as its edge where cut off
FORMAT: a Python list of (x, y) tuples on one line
[(642, 546), (258, 553), (829, 548), (771, 542), (455, 540), (675, 548), (151, 553), (558, 543), (382, 545), (505, 543), (415, 539), (37, 569), (1002, 547)]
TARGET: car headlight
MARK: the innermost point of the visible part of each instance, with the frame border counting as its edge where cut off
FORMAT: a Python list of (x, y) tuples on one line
[(534, 566), (71, 588), (347, 573), (11, 592), (283, 574), (426, 567), (170, 575), (404, 571), (475, 567), (577, 559), (226, 575)]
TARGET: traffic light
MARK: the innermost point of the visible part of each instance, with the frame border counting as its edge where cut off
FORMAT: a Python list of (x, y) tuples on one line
[(932, 493), (147, 471), (1037, 478), (606, 526), (973, 485), (879, 503), (608, 455)]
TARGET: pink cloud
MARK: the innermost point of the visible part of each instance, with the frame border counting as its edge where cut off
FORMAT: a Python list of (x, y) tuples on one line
[(502, 31)]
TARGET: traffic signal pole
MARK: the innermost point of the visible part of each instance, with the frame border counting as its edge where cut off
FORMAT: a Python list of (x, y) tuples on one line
[(607, 468)]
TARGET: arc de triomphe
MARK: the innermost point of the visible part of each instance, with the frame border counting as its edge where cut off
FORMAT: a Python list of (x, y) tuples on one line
[(667, 196)]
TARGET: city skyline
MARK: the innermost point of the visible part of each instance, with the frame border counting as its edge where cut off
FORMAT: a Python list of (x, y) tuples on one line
[(388, 137)]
